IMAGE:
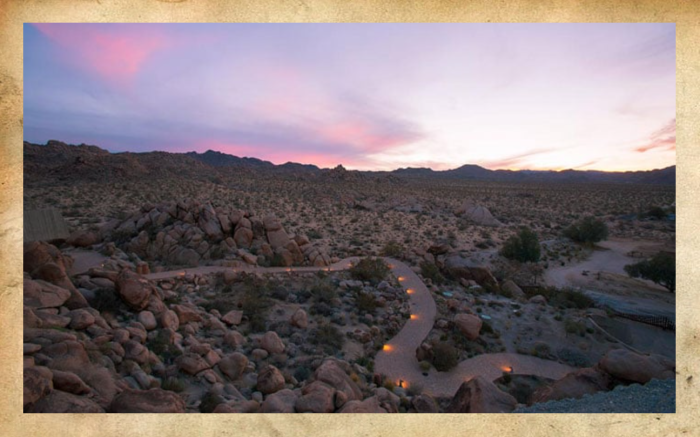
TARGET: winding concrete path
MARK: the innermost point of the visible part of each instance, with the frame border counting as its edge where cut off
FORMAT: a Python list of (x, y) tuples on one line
[(397, 361)]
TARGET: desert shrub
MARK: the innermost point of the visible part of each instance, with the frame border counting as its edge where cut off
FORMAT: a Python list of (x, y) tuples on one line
[(209, 402), (161, 346), (173, 384), (323, 291), (541, 350), (588, 230), (444, 356), (573, 357), (302, 373), (389, 384), (370, 269), (313, 234), (567, 298), (431, 271), (277, 261), (414, 389), (393, 249), (655, 212), (562, 298), (506, 378), (523, 247), (661, 269), (572, 326), (365, 302), (255, 305), (328, 337), (121, 236), (107, 300)]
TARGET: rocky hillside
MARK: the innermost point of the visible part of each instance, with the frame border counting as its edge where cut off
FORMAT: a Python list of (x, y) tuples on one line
[(188, 232)]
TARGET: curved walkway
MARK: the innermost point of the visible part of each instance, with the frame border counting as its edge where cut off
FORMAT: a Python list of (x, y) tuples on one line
[(397, 361)]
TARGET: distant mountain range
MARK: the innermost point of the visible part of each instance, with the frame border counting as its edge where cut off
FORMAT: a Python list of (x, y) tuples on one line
[(83, 162)]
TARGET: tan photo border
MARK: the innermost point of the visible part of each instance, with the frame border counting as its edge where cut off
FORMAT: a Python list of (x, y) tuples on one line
[(686, 15)]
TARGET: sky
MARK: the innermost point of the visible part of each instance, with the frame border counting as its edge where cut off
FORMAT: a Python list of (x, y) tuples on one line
[(367, 96)]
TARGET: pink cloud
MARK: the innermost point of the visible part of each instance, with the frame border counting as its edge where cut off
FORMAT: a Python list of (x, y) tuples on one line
[(116, 57), (363, 136), (664, 138)]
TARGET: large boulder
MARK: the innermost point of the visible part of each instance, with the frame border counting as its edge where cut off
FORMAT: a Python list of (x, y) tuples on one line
[(69, 356), (469, 325), (279, 402), (316, 397), (38, 253), (243, 237), (271, 223), (300, 319), (477, 214), (148, 401), (270, 380), (238, 406), (510, 287), (233, 317), (191, 363), (134, 290), (61, 402), (69, 382), (369, 405), (209, 223), (463, 268), (37, 384), (424, 403), (272, 343), (331, 372), (83, 239), (186, 314), (40, 294), (478, 395), (574, 385), (233, 365), (633, 367), (278, 238)]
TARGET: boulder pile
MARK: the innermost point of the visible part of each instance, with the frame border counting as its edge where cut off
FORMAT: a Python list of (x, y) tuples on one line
[(187, 232)]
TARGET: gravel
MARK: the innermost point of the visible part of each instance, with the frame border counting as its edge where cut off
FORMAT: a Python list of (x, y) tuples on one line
[(654, 397)]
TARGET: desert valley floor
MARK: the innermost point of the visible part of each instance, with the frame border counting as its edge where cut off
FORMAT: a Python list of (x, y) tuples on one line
[(184, 287)]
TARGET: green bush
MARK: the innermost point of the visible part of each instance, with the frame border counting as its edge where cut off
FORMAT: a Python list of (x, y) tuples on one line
[(328, 337), (523, 247), (393, 249), (107, 300), (209, 402), (323, 291), (444, 356), (588, 230), (255, 305), (370, 269), (661, 269), (366, 302), (173, 384), (431, 271), (575, 327), (655, 212)]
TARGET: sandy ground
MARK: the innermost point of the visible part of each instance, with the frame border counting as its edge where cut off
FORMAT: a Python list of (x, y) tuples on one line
[(613, 287), (83, 260)]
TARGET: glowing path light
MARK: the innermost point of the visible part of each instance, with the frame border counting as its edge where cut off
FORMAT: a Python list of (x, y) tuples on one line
[(387, 348), (409, 291), (401, 278), (414, 316)]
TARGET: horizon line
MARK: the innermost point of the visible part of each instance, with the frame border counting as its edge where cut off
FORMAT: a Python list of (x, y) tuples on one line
[(559, 170)]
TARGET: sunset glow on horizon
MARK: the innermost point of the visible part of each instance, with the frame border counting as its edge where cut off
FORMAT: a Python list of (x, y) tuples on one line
[(367, 96)]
